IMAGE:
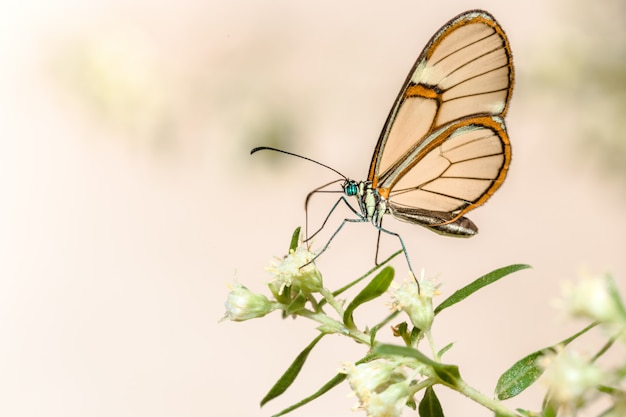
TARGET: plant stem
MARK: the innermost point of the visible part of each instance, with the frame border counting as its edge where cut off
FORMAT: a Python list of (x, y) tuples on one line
[(335, 326), (480, 398)]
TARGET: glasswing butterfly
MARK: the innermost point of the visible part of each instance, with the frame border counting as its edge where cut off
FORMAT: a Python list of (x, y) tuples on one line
[(443, 150)]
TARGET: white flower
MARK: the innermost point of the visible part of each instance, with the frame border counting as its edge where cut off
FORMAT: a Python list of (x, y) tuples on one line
[(389, 403), (382, 386), (590, 297), (416, 302), (569, 377), (296, 269), (242, 304)]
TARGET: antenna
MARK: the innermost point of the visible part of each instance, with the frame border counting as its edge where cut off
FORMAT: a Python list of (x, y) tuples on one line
[(264, 148)]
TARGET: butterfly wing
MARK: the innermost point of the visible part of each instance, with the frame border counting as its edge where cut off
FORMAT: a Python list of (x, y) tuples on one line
[(453, 170), (444, 147)]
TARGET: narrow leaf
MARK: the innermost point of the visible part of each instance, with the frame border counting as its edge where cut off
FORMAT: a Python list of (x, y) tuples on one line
[(604, 349), (374, 289), (549, 410), (411, 404), (416, 334), (291, 373), (519, 376), (402, 330), (332, 383), (430, 405), (526, 371), (368, 273), (449, 374), (444, 349), (296, 304), (614, 294), (479, 283), (294, 239), (570, 339), (377, 327)]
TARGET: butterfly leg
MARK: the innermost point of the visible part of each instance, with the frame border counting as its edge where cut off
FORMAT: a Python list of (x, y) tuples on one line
[(359, 219), (406, 254), (377, 245), (328, 217)]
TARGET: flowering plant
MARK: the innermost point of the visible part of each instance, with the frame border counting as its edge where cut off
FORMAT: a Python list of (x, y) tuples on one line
[(389, 377)]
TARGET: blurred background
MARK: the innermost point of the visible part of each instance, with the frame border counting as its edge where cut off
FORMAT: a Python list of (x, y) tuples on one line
[(130, 200)]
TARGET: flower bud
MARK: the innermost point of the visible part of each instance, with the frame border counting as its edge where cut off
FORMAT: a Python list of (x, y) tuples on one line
[(242, 304)]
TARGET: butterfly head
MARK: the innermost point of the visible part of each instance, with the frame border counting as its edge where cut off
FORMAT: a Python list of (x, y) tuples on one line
[(350, 188)]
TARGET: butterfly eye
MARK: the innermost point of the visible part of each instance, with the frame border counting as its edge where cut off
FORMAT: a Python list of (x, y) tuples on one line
[(350, 188)]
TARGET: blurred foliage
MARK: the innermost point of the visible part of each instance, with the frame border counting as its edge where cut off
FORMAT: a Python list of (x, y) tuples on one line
[(122, 78), (583, 68), (120, 81)]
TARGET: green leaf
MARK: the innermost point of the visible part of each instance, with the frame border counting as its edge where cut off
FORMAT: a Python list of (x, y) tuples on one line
[(549, 410), (430, 405), (615, 392), (294, 239), (411, 404), (570, 339), (444, 349), (519, 376), (332, 383), (416, 334), (525, 413), (368, 273), (402, 330), (448, 374), (374, 289), (604, 349), (296, 304), (526, 371), (614, 293), (291, 373), (377, 327), (282, 295), (479, 283)]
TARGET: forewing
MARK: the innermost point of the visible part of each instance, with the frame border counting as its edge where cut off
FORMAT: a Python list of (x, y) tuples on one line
[(466, 69)]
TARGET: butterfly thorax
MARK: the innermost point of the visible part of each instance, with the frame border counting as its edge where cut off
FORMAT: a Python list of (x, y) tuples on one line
[(372, 205)]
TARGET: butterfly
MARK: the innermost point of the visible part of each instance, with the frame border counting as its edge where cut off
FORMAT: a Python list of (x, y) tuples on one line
[(444, 149)]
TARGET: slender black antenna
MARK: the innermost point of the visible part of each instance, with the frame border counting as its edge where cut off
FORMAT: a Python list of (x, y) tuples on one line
[(263, 148)]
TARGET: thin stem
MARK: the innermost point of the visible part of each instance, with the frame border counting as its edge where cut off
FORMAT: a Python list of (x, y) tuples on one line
[(492, 404), (335, 326)]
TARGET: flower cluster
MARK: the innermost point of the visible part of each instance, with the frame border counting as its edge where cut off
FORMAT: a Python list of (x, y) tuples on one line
[(417, 301), (574, 380), (295, 270), (389, 377), (382, 386)]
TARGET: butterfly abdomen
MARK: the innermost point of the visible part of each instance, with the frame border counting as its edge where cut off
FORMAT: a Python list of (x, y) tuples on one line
[(438, 221)]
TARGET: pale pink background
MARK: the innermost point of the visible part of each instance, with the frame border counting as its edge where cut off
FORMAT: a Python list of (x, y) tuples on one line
[(129, 200)]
